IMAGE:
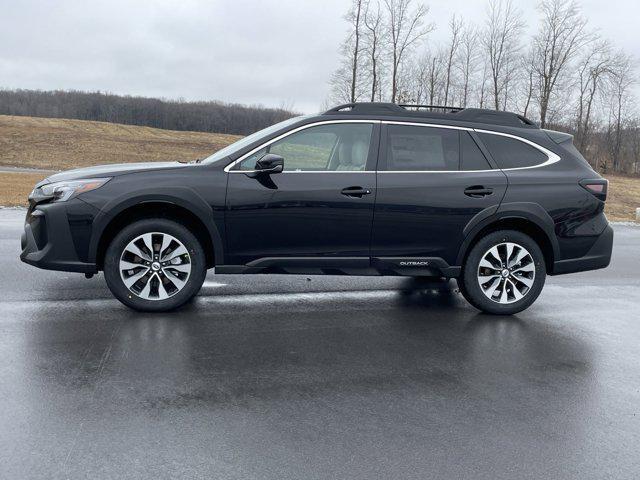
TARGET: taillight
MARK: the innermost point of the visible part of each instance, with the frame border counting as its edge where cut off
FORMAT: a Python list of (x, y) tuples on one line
[(597, 187)]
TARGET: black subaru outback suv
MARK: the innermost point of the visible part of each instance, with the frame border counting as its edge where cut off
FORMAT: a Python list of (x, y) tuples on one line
[(485, 197)]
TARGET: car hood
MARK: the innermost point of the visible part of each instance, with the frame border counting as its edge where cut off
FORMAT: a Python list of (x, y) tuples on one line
[(110, 170)]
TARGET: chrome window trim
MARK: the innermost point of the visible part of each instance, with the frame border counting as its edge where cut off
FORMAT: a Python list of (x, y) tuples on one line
[(318, 171), (441, 171), (551, 157), (290, 132)]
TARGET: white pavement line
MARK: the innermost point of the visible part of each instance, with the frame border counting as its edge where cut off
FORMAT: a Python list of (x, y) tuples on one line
[(625, 224), (12, 169), (309, 297)]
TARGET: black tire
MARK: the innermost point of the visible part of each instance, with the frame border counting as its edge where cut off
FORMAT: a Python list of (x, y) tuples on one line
[(469, 284), (197, 263)]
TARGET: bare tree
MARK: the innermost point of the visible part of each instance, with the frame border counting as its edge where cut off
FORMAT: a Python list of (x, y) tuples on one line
[(410, 86), (455, 26), (528, 69), (422, 67), (511, 80), (373, 39), (635, 145), (482, 88), (592, 68), (406, 27), (562, 33), (621, 80), (467, 61), (421, 83), (434, 76), (354, 17), (341, 85), (501, 40), (346, 80)]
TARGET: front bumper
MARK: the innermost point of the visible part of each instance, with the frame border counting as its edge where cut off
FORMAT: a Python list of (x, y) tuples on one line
[(598, 256), (56, 236)]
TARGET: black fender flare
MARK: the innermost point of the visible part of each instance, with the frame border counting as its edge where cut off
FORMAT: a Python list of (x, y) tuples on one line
[(179, 196), (529, 211)]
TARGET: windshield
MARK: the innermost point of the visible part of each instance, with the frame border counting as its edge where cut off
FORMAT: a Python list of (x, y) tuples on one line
[(243, 142)]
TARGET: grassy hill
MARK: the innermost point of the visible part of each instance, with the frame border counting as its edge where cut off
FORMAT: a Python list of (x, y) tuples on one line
[(58, 144)]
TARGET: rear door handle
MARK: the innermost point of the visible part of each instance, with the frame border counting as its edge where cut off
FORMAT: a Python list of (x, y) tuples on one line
[(357, 192), (477, 191)]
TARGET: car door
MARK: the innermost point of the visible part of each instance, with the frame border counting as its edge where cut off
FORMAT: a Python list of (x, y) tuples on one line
[(318, 211), (432, 180)]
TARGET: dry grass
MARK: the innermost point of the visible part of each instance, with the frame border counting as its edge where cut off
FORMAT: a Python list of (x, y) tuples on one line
[(623, 198), (60, 144), (15, 187)]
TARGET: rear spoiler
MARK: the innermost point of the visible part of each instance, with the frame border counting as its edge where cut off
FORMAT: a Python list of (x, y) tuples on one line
[(565, 142), (559, 137)]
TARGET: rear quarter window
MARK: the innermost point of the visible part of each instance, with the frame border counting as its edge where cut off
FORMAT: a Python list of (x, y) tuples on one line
[(511, 153)]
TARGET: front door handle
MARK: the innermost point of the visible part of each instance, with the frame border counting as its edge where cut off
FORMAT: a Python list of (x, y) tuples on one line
[(357, 192), (477, 191)]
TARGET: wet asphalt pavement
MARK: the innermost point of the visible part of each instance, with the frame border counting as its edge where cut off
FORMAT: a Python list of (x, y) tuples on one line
[(294, 377)]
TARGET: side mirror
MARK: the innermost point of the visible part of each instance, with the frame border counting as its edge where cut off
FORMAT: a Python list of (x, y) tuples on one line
[(268, 164)]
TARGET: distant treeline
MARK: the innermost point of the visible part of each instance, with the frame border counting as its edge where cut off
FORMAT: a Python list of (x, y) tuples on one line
[(211, 116)]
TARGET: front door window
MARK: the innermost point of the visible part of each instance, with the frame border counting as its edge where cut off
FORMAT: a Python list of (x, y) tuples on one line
[(332, 147)]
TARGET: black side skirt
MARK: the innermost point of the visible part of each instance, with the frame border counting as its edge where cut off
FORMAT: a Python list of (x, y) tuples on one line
[(386, 266)]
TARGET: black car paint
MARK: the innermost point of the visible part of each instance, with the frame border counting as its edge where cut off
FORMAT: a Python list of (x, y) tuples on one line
[(112, 170), (301, 214), (301, 222)]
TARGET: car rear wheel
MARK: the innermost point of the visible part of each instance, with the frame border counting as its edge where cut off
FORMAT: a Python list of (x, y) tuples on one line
[(155, 265), (504, 273)]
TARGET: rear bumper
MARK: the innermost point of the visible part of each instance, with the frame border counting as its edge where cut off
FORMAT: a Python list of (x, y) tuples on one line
[(598, 256), (47, 240)]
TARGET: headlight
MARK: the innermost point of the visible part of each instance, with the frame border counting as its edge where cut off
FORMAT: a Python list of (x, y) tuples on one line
[(63, 191)]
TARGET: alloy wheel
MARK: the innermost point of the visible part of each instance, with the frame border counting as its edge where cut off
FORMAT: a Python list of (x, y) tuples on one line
[(506, 273), (155, 266)]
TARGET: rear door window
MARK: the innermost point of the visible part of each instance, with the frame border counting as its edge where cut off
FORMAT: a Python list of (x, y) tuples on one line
[(415, 148), (511, 153), (471, 157)]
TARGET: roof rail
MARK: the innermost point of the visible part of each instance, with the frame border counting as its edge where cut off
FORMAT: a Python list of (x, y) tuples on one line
[(409, 106), (477, 115), (526, 121), (495, 117), (367, 108)]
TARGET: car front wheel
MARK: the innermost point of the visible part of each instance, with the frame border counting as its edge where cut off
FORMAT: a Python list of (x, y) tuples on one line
[(155, 265), (504, 273)]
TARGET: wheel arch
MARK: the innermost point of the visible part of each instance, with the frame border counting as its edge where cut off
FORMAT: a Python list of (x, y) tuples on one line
[(198, 217), (528, 218)]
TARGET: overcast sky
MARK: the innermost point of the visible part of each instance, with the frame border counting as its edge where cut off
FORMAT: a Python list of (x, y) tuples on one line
[(271, 52)]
